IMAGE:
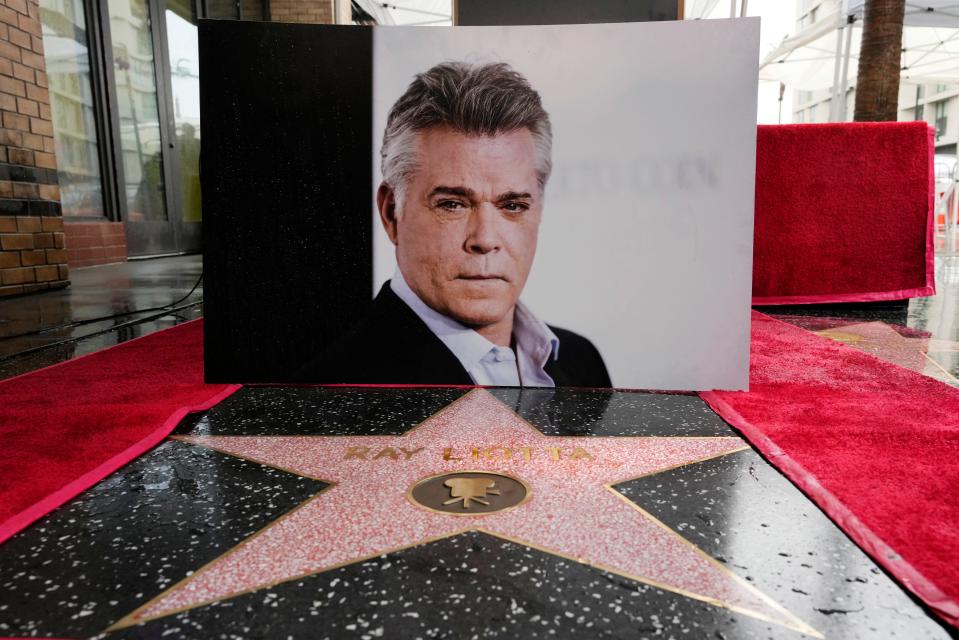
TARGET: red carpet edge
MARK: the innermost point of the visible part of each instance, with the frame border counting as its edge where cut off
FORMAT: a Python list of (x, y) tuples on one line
[(869, 540), (33, 513), (862, 535), (191, 383), (877, 296)]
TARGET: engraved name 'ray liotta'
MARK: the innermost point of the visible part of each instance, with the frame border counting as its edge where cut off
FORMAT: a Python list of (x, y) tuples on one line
[(571, 511)]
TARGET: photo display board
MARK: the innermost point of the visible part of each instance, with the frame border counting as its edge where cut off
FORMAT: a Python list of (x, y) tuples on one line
[(624, 234)]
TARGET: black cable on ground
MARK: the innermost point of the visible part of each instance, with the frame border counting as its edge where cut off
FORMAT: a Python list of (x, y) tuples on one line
[(122, 325), (78, 323)]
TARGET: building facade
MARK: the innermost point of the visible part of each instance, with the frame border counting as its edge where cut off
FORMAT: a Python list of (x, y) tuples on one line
[(32, 241), (937, 104), (101, 131)]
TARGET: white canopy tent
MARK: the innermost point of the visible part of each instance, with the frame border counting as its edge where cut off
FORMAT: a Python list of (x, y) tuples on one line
[(408, 12), (929, 13), (376, 10), (826, 53), (420, 12), (697, 9)]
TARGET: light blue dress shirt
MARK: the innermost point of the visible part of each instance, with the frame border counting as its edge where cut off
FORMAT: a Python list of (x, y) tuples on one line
[(486, 363)]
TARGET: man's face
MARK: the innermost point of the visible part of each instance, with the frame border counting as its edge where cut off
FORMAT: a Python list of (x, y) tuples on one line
[(465, 228)]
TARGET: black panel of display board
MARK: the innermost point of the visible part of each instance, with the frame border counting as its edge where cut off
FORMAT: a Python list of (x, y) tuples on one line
[(286, 149)]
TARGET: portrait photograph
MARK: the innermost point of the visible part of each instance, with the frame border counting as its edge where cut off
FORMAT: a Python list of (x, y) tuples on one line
[(523, 206)]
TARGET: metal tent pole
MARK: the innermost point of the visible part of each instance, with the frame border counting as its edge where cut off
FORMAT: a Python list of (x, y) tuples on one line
[(952, 214), (837, 67), (844, 81)]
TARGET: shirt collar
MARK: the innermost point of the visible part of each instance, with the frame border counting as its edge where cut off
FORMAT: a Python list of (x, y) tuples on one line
[(468, 346), (531, 332)]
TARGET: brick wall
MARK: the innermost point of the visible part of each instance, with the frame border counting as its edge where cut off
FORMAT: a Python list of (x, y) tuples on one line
[(32, 253), (90, 243), (311, 11)]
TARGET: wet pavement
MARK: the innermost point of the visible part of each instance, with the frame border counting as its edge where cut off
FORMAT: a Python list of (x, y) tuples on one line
[(922, 335), (96, 292)]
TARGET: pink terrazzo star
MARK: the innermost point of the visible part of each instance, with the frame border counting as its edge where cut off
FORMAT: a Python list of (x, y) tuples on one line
[(572, 510)]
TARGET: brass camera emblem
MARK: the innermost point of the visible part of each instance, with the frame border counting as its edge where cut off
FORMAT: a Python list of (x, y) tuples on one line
[(469, 493)]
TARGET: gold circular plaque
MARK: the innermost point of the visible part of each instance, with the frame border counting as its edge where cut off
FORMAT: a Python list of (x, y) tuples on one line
[(469, 493)]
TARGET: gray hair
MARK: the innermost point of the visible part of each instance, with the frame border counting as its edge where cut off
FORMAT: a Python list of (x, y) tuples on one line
[(481, 100)]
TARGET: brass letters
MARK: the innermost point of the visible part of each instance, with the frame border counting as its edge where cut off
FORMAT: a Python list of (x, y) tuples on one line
[(496, 453), (359, 453), (356, 453)]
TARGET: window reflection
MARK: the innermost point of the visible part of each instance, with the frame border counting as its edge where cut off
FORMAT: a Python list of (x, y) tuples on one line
[(185, 82), (66, 48), (138, 109)]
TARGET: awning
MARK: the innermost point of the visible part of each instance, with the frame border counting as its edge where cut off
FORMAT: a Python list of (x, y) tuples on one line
[(808, 59)]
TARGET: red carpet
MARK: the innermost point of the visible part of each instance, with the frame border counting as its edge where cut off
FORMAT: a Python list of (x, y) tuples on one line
[(843, 212), (873, 444), (65, 427)]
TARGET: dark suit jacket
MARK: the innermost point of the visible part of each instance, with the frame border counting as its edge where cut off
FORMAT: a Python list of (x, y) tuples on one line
[(391, 345)]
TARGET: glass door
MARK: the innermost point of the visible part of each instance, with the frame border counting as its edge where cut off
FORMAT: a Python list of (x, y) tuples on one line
[(77, 129), (125, 104), (145, 194), (180, 33)]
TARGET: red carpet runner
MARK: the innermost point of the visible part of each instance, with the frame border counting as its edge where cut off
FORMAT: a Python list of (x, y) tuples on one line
[(66, 427), (843, 212), (873, 444)]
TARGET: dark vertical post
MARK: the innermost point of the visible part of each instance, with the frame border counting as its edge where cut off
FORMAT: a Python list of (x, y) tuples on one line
[(877, 86)]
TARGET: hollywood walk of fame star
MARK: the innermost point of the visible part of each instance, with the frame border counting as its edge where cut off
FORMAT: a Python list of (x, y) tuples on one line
[(884, 341), (572, 510)]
